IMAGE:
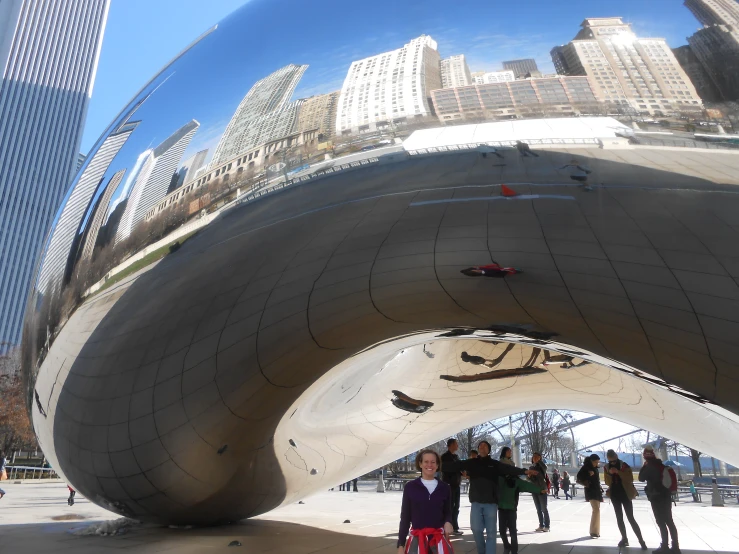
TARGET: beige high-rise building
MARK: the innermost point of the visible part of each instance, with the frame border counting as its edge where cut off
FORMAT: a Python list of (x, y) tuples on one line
[(455, 72), (317, 115), (715, 12), (625, 70)]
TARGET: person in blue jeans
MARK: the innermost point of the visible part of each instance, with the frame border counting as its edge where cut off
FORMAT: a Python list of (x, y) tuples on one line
[(483, 474)]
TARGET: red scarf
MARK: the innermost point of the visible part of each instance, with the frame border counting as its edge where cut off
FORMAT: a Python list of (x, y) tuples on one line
[(427, 538)]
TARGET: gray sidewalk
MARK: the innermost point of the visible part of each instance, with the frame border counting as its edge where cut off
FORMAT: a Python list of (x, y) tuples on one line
[(29, 523)]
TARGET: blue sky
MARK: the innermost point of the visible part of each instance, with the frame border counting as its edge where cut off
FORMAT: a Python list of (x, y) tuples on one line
[(142, 36)]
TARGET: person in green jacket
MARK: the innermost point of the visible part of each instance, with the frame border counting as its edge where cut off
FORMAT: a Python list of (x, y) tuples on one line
[(508, 490)]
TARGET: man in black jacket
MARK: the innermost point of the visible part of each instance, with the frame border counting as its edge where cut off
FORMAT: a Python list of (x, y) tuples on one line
[(660, 498), (483, 472), (454, 480)]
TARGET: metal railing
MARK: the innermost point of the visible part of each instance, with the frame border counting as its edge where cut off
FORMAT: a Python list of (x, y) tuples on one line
[(30, 472)]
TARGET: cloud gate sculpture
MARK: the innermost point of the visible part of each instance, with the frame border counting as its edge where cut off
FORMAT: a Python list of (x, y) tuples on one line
[(289, 261)]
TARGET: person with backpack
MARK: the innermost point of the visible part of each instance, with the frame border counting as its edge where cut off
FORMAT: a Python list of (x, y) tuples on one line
[(541, 480), (661, 483), (620, 481), (589, 478), (508, 490)]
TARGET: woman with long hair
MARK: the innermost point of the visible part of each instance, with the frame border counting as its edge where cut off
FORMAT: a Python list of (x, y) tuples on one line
[(566, 485), (589, 478), (540, 499), (509, 488), (426, 512)]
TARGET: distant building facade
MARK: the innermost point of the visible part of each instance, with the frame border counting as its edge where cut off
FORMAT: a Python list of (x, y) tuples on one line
[(154, 177), (317, 116), (188, 169), (57, 255), (531, 97), (264, 114), (522, 68), (698, 75), (455, 72), (714, 12), (638, 74), (494, 77), (716, 46), (99, 215), (393, 86), (48, 57)]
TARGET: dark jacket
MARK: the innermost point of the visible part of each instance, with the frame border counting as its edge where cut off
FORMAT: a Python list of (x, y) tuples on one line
[(621, 484), (508, 487), (566, 483), (451, 478), (592, 482), (421, 509), (540, 479), (483, 474), (555, 479), (651, 473)]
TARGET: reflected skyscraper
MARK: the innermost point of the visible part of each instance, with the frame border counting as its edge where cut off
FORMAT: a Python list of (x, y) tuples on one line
[(155, 174), (265, 114), (99, 215), (392, 86), (188, 169), (521, 68), (455, 72), (716, 46), (640, 74), (48, 55), (60, 242)]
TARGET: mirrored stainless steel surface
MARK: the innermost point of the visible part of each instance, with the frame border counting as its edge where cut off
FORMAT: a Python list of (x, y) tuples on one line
[(277, 269)]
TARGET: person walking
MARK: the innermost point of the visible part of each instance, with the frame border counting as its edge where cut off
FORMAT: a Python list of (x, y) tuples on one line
[(652, 472), (579, 172), (426, 510), (3, 471), (555, 483), (589, 478), (566, 485), (490, 270), (72, 493), (483, 474), (540, 500), (508, 491), (525, 150), (454, 480), (619, 479)]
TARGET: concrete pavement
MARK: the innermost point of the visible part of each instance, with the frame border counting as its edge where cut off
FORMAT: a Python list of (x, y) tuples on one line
[(33, 519)]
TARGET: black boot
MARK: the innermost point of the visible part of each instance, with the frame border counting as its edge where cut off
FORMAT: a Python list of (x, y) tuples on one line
[(675, 548), (664, 549), (623, 542)]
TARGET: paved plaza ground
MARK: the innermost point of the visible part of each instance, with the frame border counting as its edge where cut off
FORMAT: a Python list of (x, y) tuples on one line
[(30, 523)]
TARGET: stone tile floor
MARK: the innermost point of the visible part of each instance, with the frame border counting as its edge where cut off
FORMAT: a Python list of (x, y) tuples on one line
[(27, 525)]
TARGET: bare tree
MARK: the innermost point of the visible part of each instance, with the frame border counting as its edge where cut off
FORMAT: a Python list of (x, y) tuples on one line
[(16, 431)]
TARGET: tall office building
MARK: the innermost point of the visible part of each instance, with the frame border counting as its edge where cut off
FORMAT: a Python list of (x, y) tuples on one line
[(522, 68), (48, 56), (265, 114), (153, 178), (395, 85), (698, 75), (641, 74), (494, 77), (59, 245), (317, 115), (717, 49), (715, 12), (99, 215), (187, 170), (716, 46), (80, 161), (455, 72)]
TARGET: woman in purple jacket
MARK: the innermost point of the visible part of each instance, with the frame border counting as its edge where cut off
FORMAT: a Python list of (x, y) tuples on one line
[(426, 511)]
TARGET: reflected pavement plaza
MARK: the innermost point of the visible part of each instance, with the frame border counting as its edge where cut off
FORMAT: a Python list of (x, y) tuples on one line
[(281, 267)]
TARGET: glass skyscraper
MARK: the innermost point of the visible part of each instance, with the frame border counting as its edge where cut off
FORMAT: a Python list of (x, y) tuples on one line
[(48, 55)]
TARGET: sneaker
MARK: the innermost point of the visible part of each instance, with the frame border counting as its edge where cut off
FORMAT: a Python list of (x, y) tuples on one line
[(457, 532), (623, 542), (539, 529), (546, 529)]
